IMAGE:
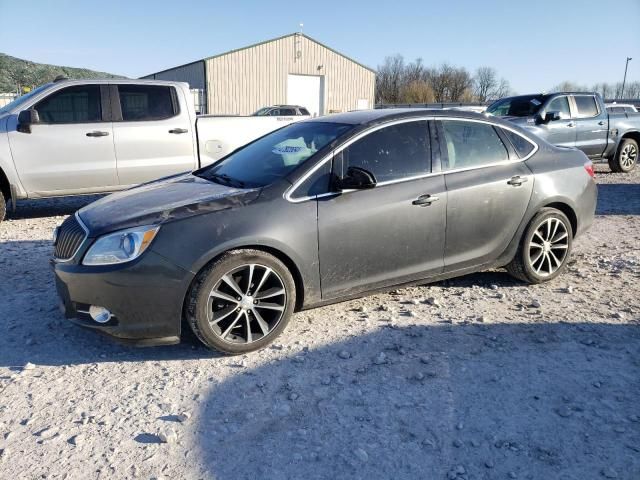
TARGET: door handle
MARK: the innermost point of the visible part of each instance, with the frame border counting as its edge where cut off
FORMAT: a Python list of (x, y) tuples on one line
[(517, 180), (178, 130), (601, 122), (97, 134), (425, 200), (571, 124)]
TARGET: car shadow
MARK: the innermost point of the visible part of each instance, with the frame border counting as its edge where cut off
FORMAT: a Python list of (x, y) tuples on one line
[(464, 401), (618, 199)]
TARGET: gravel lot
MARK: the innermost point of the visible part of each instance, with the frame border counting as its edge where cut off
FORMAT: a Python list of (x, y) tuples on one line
[(476, 378)]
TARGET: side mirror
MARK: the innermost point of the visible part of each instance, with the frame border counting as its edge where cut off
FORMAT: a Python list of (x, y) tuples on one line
[(26, 118), (356, 179), (552, 116)]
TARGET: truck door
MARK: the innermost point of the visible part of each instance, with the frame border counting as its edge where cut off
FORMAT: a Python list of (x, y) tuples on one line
[(592, 125), (152, 132), (70, 151), (560, 132)]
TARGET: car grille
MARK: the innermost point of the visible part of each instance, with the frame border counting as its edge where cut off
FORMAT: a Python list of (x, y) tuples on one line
[(70, 236)]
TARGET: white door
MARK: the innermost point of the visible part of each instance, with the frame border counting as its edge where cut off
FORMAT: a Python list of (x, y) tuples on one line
[(154, 139), (306, 91), (71, 150)]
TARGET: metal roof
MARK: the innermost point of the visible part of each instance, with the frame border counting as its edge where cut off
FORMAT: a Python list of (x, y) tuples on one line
[(262, 43)]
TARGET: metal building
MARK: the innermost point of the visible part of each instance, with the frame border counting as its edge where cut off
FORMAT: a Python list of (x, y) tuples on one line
[(293, 69)]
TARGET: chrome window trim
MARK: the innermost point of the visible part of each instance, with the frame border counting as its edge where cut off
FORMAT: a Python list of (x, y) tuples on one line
[(86, 235), (290, 191)]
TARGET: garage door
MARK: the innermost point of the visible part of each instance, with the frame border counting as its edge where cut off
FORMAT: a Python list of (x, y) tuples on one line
[(306, 91)]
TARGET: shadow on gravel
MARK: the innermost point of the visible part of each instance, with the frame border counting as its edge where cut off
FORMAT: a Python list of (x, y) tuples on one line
[(618, 199), (50, 207), (527, 401)]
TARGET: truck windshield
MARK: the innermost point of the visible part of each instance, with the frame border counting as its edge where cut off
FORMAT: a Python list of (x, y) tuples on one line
[(523, 106), (21, 100), (273, 156)]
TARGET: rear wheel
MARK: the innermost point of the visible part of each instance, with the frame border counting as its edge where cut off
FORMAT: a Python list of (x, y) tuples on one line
[(626, 158), (544, 249), (241, 302)]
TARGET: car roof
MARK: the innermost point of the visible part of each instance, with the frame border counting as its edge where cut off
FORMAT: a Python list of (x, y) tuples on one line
[(368, 117)]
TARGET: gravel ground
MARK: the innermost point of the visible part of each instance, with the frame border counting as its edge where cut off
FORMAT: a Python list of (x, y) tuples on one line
[(475, 378)]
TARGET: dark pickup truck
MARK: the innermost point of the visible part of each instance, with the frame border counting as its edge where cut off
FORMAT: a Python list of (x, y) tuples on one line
[(577, 119)]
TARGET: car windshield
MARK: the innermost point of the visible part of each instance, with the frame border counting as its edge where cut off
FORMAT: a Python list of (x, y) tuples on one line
[(273, 156), (262, 112), (524, 106), (21, 100)]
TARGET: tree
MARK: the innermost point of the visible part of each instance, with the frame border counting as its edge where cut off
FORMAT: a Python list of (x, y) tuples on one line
[(485, 83), (389, 80)]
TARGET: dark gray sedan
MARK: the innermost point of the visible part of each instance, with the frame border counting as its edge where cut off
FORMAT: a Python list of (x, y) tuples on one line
[(318, 212)]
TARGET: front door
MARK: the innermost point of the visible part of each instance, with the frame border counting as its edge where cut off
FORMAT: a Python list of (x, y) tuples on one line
[(560, 132), (71, 150), (591, 126), (153, 133), (393, 232), (488, 191)]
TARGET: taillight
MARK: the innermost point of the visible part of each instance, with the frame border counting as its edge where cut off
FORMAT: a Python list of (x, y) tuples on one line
[(588, 166)]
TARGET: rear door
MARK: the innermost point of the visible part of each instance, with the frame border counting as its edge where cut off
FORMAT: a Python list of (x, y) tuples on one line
[(391, 233), (488, 190), (152, 132), (591, 125), (71, 150)]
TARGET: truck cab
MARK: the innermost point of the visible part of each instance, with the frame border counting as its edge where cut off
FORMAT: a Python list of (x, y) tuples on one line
[(576, 119)]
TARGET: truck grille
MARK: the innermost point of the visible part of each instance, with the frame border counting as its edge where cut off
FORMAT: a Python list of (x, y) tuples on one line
[(70, 236)]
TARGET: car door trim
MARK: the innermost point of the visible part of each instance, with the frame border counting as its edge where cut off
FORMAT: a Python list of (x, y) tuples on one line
[(291, 190)]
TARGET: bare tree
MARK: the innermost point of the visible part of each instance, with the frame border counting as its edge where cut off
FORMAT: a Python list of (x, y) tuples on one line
[(485, 83), (417, 91), (389, 79), (503, 90)]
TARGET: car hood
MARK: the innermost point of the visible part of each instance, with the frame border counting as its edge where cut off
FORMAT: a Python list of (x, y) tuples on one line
[(162, 201)]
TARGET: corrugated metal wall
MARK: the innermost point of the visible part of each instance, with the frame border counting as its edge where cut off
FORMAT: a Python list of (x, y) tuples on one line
[(192, 73), (243, 81)]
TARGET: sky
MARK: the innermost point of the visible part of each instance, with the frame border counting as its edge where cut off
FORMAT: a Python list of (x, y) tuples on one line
[(534, 44)]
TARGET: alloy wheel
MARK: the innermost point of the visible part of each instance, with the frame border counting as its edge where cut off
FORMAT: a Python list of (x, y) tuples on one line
[(548, 247), (246, 304), (628, 156)]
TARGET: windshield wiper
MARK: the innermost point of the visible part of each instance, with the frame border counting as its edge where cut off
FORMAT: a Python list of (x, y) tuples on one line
[(223, 178)]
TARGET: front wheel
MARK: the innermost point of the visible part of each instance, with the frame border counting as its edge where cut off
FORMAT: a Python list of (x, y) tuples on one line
[(544, 248), (3, 207), (241, 302), (626, 158)]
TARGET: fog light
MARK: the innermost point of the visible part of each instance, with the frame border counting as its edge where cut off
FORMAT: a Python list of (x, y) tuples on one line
[(99, 314)]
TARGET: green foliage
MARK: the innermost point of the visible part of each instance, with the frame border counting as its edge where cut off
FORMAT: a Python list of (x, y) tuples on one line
[(15, 73)]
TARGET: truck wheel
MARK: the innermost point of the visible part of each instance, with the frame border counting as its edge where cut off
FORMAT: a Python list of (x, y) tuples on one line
[(626, 158), (241, 302), (544, 248), (3, 207)]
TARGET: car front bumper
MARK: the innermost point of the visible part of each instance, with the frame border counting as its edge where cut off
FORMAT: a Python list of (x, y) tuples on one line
[(145, 297)]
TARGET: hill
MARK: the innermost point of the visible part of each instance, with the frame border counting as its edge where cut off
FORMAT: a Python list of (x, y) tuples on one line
[(16, 73)]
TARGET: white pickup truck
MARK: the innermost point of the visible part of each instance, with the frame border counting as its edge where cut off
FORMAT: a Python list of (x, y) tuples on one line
[(75, 137)]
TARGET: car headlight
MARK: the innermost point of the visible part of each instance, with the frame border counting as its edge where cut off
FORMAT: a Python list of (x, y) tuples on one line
[(120, 247)]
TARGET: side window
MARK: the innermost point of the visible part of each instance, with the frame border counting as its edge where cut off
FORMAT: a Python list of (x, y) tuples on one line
[(471, 144), (287, 112), (304, 111), (392, 153), (316, 184), (80, 104), (145, 102), (560, 104), (587, 106), (522, 146)]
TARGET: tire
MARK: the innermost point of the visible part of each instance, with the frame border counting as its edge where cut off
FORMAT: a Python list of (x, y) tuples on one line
[(551, 229), (233, 326), (626, 157), (3, 207)]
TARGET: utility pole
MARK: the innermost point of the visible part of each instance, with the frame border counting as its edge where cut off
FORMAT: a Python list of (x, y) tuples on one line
[(624, 80)]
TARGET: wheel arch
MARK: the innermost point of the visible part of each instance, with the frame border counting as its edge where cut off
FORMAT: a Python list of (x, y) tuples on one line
[(5, 186), (568, 211), (634, 135)]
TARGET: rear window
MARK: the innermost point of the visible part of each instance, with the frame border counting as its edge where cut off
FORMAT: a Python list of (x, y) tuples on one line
[(587, 106), (522, 146), (146, 102), (304, 111)]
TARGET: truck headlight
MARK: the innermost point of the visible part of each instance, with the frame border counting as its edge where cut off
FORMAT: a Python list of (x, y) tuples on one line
[(120, 247)]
